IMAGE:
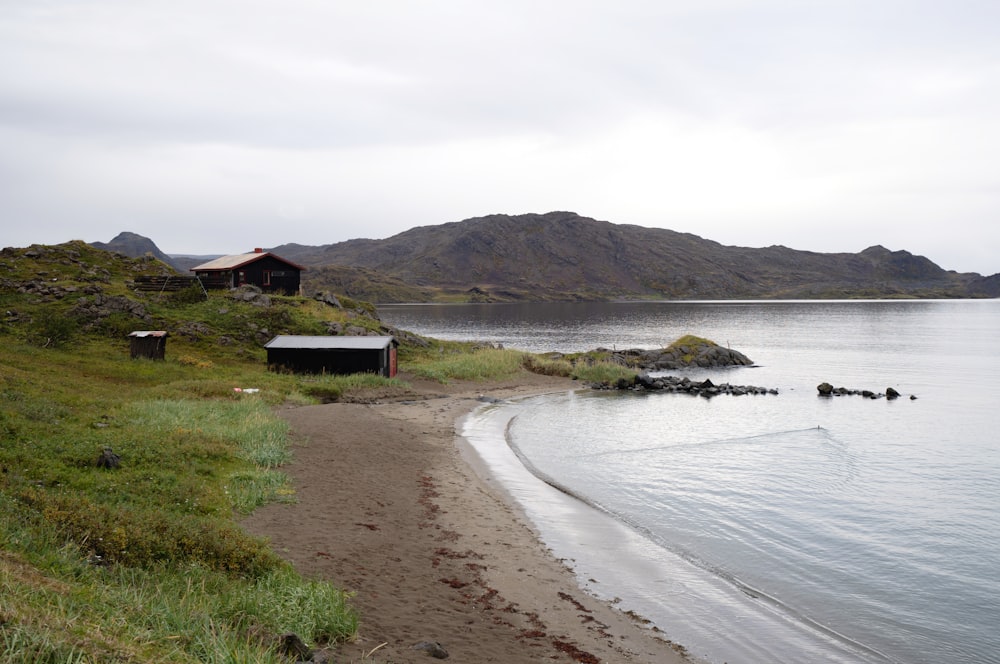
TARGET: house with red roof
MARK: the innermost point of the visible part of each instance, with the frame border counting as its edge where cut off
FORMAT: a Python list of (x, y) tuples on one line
[(270, 272)]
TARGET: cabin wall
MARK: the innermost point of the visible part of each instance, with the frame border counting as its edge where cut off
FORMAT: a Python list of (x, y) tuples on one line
[(153, 348), (329, 361)]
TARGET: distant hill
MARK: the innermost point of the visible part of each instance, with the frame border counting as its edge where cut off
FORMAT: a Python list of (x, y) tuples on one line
[(135, 246), (562, 255), (185, 262), (565, 256)]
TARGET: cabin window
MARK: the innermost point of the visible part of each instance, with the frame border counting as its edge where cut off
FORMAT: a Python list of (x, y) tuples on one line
[(267, 277), (242, 277)]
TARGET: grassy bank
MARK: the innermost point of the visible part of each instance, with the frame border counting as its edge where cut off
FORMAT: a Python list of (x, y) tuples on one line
[(145, 562)]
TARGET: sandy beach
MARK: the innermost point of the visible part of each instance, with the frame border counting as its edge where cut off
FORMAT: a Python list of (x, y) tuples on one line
[(389, 509)]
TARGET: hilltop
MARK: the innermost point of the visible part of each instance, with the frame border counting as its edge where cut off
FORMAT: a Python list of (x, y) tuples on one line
[(135, 245), (566, 256)]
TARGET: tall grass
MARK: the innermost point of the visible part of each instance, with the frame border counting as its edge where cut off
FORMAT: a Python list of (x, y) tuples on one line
[(603, 373), (37, 645), (484, 364), (330, 388), (248, 424), (540, 364), (96, 614), (249, 489)]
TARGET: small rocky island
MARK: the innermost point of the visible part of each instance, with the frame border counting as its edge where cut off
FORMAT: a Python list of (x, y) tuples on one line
[(688, 352)]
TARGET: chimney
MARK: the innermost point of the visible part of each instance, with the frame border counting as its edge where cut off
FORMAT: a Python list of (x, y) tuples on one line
[(258, 250)]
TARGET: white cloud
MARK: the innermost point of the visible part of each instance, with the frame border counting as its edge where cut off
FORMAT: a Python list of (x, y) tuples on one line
[(824, 125)]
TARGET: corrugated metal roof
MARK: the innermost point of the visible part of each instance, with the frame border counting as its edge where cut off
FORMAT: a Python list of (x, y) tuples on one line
[(148, 333), (329, 343), (239, 260)]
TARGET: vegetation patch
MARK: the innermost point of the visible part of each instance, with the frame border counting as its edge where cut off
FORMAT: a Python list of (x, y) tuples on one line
[(603, 373), (465, 363), (547, 366), (686, 346)]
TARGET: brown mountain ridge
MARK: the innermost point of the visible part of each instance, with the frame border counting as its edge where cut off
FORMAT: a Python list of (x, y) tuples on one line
[(565, 256)]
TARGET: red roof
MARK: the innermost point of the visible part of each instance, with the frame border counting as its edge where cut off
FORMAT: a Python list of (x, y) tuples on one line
[(226, 263)]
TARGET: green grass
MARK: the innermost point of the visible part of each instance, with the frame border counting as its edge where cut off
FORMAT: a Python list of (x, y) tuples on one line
[(83, 613), (455, 363), (96, 564), (539, 364), (603, 373)]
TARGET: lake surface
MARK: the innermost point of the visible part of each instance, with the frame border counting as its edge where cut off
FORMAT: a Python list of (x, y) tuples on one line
[(779, 528)]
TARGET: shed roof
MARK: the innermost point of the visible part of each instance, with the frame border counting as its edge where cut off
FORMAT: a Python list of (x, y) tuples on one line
[(306, 342), (239, 260), (148, 333)]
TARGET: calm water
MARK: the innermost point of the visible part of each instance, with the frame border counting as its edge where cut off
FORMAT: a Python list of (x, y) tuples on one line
[(783, 528)]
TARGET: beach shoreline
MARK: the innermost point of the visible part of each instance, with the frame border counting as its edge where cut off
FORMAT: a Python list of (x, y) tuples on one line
[(391, 507)]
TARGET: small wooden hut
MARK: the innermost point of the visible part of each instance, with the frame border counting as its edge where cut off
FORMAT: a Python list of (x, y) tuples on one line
[(150, 344), (332, 355)]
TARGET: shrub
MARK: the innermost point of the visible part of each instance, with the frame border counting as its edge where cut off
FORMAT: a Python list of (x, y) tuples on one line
[(117, 325), (190, 295), (51, 329)]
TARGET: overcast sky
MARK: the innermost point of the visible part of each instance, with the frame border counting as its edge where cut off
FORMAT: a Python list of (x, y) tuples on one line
[(216, 126)]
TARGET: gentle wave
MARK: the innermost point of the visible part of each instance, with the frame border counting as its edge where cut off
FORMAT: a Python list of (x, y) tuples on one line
[(690, 557)]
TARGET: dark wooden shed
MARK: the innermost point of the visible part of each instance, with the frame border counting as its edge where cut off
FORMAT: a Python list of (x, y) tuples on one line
[(332, 355), (269, 272), (151, 344)]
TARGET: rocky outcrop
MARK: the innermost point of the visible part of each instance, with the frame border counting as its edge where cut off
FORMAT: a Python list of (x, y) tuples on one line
[(705, 355), (827, 390), (251, 294), (686, 353), (684, 385), (94, 309), (108, 459)]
